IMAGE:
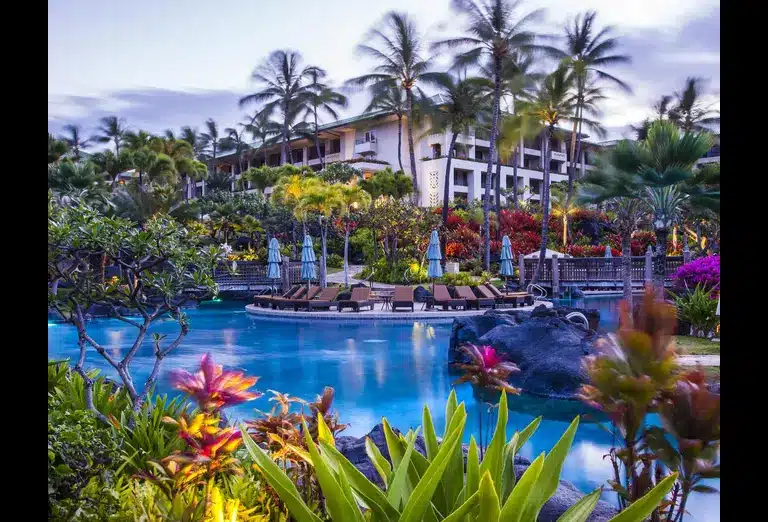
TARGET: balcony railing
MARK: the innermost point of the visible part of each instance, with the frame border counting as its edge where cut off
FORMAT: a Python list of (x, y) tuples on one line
[(371, 139)]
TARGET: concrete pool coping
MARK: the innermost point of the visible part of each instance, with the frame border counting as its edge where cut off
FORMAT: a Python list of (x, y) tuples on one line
[(378, 314)]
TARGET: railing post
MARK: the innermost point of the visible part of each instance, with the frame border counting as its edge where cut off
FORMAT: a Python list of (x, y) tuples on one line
[(521, 269), (285, 272), (555, 276), (649, 266), (686, 253)]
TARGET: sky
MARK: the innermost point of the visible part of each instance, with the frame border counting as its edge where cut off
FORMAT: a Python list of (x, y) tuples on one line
[(165, 64)]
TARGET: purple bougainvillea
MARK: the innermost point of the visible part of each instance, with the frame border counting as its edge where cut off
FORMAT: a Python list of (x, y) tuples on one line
[(704, 271)]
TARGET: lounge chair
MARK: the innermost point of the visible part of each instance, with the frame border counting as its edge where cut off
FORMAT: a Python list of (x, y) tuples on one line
[(443, 298), (265, 300), (403, 298), (473, 301), (323, 301), (280, 304), (360, 297), (520, 297), (488, 290)]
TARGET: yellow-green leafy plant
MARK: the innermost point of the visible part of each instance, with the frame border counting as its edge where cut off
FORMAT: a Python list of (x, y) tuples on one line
[(435, 487)]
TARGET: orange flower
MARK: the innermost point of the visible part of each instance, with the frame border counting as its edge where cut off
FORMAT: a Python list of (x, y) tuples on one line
[(212, 387)]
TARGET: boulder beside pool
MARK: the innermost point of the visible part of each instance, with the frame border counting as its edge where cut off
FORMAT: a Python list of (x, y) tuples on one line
[(565, 496), (545, 345)]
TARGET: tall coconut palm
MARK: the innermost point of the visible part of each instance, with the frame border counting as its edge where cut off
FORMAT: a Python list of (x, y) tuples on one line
[(322, 199), (191, 136), (628, 215), (397, 47), (514, 129), (493, 32), (552, 103), (462, 102), (586, 52), (689, 113), (321, 99), (563, 207), (289, 191), (137, 140), (390, 98), (214, 142), (351, 198), (235, 141), (251, 226), (656, 171), (112, 129), (107, 162), (264, 130), (74, 140), (662, 106), (285, 90)]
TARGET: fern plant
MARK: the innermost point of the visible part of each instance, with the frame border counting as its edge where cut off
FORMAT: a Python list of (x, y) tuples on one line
[(699, 309)]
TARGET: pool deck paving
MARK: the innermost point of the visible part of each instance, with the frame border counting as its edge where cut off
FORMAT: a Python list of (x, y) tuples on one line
[(379, 313), (695, 360)]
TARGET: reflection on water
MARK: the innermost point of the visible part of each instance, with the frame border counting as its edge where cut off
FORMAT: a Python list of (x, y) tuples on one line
[(405, 368)]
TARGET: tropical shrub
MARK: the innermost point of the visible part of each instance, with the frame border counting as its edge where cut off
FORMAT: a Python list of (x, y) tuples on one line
[(704, 271), (458, 279), (698, 309), (335, 261), (590, 251)]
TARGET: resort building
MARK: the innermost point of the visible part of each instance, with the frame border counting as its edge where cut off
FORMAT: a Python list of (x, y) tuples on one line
[(370, 143)]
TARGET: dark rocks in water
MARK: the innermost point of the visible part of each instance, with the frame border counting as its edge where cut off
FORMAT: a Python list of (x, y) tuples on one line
[(576, 293), (565, 496), (421, 294), (546, 346)]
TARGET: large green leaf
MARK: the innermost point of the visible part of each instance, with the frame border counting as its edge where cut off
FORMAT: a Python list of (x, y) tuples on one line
[(419, 500), (430, 438), (508, 470), (399, 487), (640, 509), (489, 500), (381, 464), (473, 469), (463, 510), (549, 478), (337, 498), (493, 459), (580, 511), (279, 481), (515, 507), (450, 408), (528, 431), (393, 444), (453, 479)]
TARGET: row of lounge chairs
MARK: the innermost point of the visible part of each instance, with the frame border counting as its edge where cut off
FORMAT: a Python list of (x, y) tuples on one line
[(299, 297)]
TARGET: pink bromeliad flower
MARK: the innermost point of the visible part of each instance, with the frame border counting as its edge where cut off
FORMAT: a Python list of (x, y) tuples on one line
[(487, 368), (213, 388)]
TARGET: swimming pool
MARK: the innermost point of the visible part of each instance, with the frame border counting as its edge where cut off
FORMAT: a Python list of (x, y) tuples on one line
[(377, 369)]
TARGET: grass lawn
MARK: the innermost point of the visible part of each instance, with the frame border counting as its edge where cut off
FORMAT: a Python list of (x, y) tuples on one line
[(696, 345)]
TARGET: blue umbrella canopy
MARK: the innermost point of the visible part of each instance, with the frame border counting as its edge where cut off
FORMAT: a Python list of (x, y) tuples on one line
[(273, 261), (308, 259), (506, 257), (608, 252), (434, 270)]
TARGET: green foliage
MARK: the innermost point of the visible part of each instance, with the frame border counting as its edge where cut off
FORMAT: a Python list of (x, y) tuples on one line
[(361, 240), (339, 173), (335, 261), (698, 308), (388, 184), (404, 271), (459, 279)]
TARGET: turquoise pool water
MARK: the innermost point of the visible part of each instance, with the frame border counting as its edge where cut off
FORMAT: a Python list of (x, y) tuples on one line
[(377, 369)]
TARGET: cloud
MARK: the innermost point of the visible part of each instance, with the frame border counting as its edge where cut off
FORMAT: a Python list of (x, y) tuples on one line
[(692, 57)]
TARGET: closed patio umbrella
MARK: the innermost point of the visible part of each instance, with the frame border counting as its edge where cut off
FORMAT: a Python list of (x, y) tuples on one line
[(507, 270), (273, 260), (608, 252), (434, 270), (308, 261)]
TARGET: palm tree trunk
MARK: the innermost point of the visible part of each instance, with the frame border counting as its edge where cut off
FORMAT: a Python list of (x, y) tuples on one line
[(492, 145), (497, 189), (324, 268), (448, 180), (293, 238), (284, 146), (317, 143), (266, 158), (572, 166), (578, 141), (346, 255), (660, 261), (400, 142), (544, 207), (626, 266), (409, 109), (514, 177)]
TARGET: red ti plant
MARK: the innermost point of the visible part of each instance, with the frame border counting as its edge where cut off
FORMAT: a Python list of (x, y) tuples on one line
[(690, 415), (487, 370)]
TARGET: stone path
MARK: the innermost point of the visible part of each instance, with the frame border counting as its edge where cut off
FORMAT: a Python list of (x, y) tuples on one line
[(338, 278), (694, 360)]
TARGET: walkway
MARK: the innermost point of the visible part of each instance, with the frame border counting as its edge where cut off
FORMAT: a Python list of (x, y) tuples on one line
[(338, 278), (695, 360)]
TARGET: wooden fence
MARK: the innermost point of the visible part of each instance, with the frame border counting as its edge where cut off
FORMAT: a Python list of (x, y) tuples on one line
[(253, 274)]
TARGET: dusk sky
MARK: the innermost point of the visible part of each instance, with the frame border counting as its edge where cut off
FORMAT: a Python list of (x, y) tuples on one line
[(164, 64)]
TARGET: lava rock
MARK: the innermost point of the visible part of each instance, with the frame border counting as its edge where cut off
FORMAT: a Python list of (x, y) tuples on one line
[(576, 293), (546, 346), (421, 294), (565, 496)]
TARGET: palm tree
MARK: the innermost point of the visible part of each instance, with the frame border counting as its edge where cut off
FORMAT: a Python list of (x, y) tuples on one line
[(628, 214), (140, 205), (585, 53), (264, 130), (214, 144), (158, 166), (655, 171), (350, 198), (493, 34), (462, 104), (321, 98), (235, 141), (136, 140), (77, 180), (56, 149), (108, 163), (251, 226), (397, 49), (514, 128), (74, 140), (261, 177), (112, 129), (562, 207), (322, 199), (191, 136), (688, 112), (390, 98), (289, 190), (285, 90), (661, 107), (552, 103)]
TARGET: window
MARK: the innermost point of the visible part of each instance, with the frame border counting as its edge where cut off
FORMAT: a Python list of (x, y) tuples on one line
[(297, 156), (336, 146), (274, 159), (313, 151), (460, 178), (554, 167), (536, 186), (436, 150), (370, 136)]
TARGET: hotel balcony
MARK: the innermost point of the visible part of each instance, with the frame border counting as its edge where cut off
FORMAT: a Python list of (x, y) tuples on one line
[(558, 156), (364, 147)]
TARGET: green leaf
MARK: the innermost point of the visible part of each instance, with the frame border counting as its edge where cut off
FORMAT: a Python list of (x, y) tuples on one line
[(430, 439), (393, 444), (419, 500), (494, 455), (473, 469), (528, 431), (279, 481), (508, 470), (399, 485), (336, 500), (463, 510), (323, 432), (450, 408), (453, 480), (549, 478), (489, 500), (580, 511), (640, 509), (520, 498), (379, 462)]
